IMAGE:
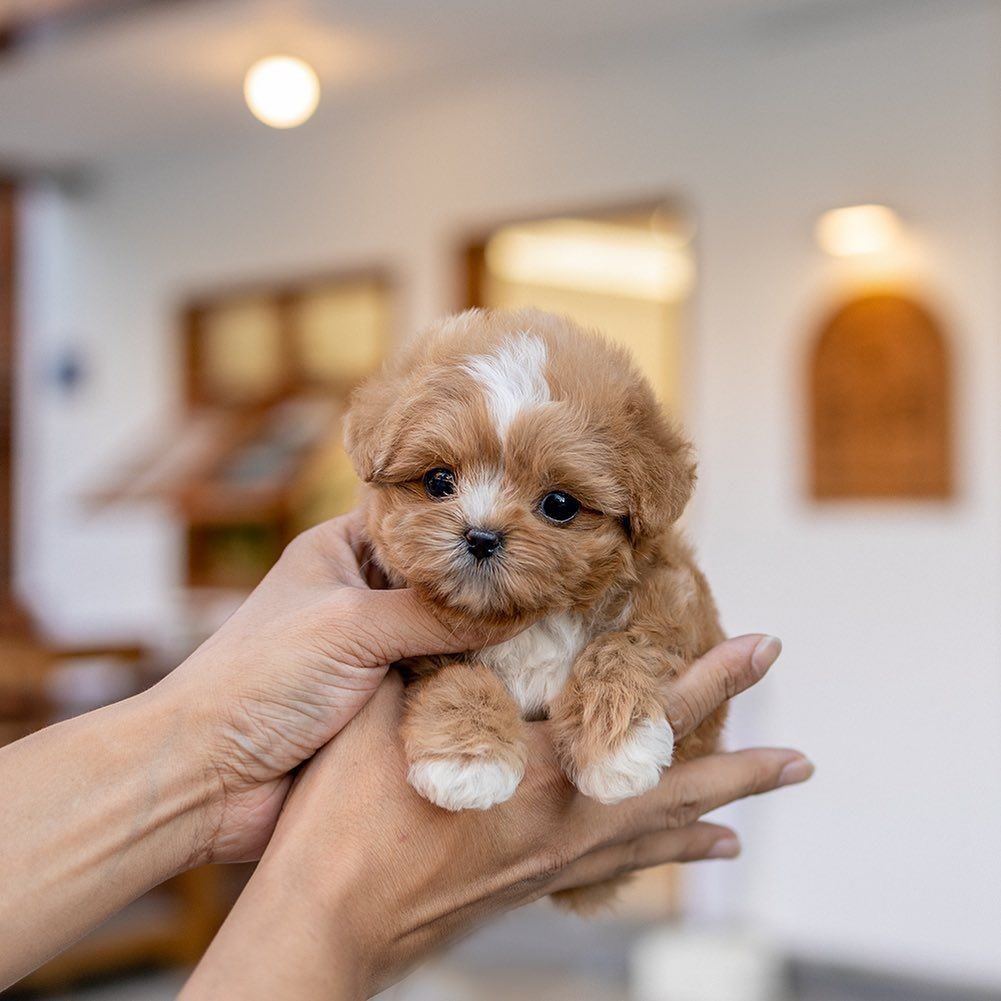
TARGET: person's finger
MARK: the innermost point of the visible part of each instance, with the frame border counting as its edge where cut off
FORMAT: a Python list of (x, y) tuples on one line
[(719, 675), (386, 626), (686, 792), (329, 552), (684, 844), (353, 526), (346, 545)]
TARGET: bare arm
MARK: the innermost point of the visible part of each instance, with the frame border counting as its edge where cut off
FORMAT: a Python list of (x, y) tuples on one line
[(96, 810), (99, 809)]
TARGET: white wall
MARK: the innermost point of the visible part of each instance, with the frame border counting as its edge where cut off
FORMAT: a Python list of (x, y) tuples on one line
[(892, 673)]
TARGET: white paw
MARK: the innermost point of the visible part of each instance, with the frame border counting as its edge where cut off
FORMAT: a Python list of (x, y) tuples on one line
[(634, 768), (464, 783)]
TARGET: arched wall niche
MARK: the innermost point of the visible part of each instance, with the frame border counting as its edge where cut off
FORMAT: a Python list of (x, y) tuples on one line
[(880, 402)]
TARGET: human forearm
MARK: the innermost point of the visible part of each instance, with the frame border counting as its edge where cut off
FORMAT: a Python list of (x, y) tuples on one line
[(96, 811), (303, 943)]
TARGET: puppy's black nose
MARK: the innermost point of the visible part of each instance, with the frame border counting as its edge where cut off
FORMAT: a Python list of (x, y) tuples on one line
[(483, 543)]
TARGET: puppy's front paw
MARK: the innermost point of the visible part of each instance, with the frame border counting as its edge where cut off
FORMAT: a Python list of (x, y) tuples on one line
[(463, 782), (634, 767)]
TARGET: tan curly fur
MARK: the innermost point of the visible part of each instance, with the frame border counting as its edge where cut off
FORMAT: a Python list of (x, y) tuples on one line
[(615, 592)]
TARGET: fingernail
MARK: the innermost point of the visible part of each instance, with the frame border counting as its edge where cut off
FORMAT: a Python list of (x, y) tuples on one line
[(766, 653), (795, 772), (724, 848)]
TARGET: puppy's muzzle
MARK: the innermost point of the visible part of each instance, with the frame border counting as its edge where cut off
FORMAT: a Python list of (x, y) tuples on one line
[(483, 543)]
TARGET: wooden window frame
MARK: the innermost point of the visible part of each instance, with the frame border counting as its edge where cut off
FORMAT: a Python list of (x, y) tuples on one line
[(283, 295)]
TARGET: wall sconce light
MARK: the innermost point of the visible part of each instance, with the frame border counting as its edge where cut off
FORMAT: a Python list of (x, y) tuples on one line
[(857, 230), (281, 91)]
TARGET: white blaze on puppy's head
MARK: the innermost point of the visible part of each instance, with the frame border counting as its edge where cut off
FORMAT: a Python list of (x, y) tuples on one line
[(513, 379), (480, 497)]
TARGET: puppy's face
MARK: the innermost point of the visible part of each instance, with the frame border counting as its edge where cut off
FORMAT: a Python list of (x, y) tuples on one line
[(517, 464)]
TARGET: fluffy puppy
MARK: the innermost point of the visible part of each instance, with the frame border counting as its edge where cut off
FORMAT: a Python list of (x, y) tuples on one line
[(519, 469)]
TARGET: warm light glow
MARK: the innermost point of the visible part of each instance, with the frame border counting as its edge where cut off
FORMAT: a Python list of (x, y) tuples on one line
[(858, 229), (672, 227), (589, 256), (281, 91)]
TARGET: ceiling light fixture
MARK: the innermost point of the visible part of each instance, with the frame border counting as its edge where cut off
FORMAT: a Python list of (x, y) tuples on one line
[(281, 91), (858, 229)]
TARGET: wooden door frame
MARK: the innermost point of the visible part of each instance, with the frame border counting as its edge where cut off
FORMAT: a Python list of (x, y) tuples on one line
[(11, 616), (472, 248), (470, 261)]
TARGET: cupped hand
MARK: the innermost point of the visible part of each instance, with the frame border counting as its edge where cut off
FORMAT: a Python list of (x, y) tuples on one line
[(284, 674), (368, 877)]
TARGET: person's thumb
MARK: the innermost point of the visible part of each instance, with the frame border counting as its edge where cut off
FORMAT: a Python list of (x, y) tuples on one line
[(386, 626)]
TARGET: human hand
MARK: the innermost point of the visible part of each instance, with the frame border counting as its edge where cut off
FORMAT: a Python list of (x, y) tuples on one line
[(368, 877), (100, 808), (284, 674)]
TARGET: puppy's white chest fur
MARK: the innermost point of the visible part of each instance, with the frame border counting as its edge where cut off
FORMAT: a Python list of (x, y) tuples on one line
[(535, 664)]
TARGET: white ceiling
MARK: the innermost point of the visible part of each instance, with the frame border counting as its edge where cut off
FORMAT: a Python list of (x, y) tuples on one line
[(173, 72)]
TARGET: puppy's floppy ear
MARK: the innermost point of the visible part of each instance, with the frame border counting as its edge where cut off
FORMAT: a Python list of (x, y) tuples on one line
[(660, 471), (371, 423)]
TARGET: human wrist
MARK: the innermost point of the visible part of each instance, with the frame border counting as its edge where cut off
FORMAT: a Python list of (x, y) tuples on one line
[(333, 895), (172, 723), (312, 952)]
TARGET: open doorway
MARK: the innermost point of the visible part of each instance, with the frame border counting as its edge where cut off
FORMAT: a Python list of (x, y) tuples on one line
[(627, 271)]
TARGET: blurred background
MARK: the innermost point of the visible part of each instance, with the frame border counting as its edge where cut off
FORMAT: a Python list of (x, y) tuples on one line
[(789, 210)]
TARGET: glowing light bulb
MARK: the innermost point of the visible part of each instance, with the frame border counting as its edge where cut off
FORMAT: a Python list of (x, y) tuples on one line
[(281, 91), (858, 229)]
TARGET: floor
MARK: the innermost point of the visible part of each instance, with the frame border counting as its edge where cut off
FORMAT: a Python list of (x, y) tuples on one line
[(449, 984), (539, 955)]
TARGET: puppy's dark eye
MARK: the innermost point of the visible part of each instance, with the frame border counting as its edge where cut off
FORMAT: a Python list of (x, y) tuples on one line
[(439, 482), (560, 507)]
